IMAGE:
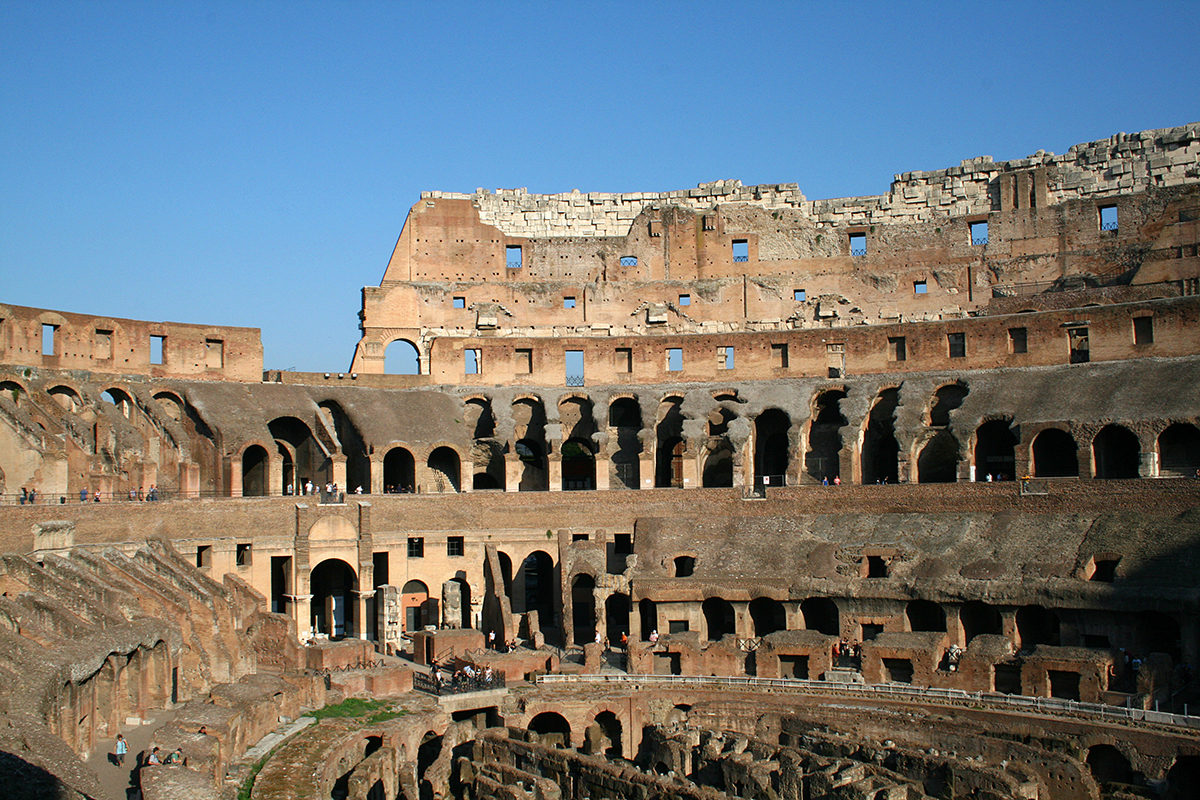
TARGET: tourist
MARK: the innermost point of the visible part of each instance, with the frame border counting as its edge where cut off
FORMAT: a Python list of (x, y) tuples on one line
[(154, 757), (203, 730), (825, 481), (83, 495), (654, 636), (308, 488), (175, 757), (837, 480), (491, 640), (121, 749), (95, 495), (358, 489)]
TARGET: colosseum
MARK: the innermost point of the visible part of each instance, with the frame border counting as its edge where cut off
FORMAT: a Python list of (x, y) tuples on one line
[(720, 492)]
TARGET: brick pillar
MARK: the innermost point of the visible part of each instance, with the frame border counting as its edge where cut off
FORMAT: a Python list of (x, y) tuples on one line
[(233, 477), (513, 467), (376, 475)]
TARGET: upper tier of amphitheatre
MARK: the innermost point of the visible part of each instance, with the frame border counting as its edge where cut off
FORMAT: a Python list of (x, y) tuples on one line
[(730, 259)]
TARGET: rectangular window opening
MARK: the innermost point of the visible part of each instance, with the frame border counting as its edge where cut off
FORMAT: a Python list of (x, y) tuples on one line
[(568, 302), (524, 360), (455, 546), (459, 302), (1143, 330), (416, 547), (204, 556), (1018, 340), (799, 295), (579, 537), (858, 244), (158, 349), (244, 555), (870, 630), (957, 343), (674, 359), (877, 567), (725, 357), (472, 361), (920, 287), (897, 348), (625, 359), (574, 361), (214, 353), (1108, 218), (741, 250), (779, 356), (512, 256), (979, 233), (623, 544), (102, 345), (1104, 570), (677, 626), (1078, 345), (685, 299), (48, 334)]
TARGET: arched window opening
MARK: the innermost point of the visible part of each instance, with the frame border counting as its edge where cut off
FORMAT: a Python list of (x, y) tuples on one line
[(119, 399), (66, 397), (881, 451), (447, 469), (402, 358), (823, 459), (479, 418), (418, 609), (995, 451), (1108, 764), (938, 461), (487, 455), (685, 566), (1116, 452), (333, 585), (767, 615), (925, 615), (1179, 451), (254, 471), (821, 614), (539, 587), (1055, 454), (771, 447), (718, 618), (309, 459)]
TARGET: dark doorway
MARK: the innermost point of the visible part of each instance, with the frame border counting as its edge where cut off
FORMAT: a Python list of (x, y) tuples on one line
[(995, 451), (771, 447), (880, 452), (1116, 452), (823, 459), (1055, 454)]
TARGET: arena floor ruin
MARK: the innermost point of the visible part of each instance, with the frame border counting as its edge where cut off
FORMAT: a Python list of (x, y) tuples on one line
[(721, 492)]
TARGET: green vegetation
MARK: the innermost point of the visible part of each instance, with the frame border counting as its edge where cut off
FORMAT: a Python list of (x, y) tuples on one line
[(247, 786), (371, 710)]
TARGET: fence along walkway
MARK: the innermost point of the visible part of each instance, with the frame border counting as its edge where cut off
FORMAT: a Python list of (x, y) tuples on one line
[(992, 700)]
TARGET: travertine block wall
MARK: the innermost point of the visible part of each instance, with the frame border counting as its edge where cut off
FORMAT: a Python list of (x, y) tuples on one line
[(1121, 163)]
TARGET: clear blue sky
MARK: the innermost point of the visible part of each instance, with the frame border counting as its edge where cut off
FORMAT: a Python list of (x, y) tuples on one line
[(251, 163)]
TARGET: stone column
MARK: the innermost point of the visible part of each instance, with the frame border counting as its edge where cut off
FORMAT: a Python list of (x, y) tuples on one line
[(513, 467), (376, 475), (233, 476), (360, 613), (274, 475), (338, 471), (743, 626)]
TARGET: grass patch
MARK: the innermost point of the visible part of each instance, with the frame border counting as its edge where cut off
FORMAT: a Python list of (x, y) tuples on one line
[(247, 787), (373, 710)]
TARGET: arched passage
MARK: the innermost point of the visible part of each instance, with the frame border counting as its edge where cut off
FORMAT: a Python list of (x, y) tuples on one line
[(297, 445), (1037, 625), (980, 618), (536, 575), (767, 616), (578, 465), (823, 459), (414, 599), (529, 434), (1115, 452), (821, 614), (1179, 451), (610, 728), (446, 467), (648, 616), (333, 583), (1108, 764), (718, 468), (946, 399), (938, 461), (354, 448), (718, 618), (553, 728), (254, 471), (771, 447), (616, 616), (625, 420), (399, 471), (925, 615), (881, 451), (1183, 778), (583, 608), (402, 358), (1054, 454), (995, 450), (118, 398), (66, 397), (668, 454)]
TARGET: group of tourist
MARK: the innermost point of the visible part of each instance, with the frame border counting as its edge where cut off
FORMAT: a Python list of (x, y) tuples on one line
[(846, 650), (155, 757), (468, 677), (502, 647)]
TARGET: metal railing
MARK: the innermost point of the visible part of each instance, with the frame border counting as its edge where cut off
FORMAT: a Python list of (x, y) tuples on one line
[(1108, 226), (979, 240), (858, 251), (740, 259), (1039, 705), (457, 684), (514, 265), (574, 380)]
